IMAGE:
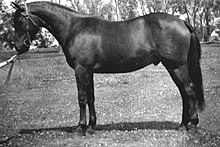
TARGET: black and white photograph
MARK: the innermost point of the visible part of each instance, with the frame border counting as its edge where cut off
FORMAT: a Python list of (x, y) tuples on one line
[(109, 73)]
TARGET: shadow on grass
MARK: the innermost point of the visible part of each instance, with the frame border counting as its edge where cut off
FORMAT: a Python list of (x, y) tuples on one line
[(130, 126), (124, 126)]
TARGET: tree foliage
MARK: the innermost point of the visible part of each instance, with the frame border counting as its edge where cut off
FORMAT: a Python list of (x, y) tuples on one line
[(202, 15), (6, 29)]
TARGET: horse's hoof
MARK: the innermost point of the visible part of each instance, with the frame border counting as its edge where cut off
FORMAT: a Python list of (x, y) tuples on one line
[(90, 130), (194, 121), (80, 132), (183, 128), (193, 128)]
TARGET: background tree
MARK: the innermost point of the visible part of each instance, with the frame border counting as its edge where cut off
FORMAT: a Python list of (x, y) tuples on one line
[(210, 10), (6, 28), (74, 4), (107, 12), (127, 8), (202, 14)]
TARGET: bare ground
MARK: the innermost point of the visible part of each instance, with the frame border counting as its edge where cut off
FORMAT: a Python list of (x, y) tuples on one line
[(142, 108)]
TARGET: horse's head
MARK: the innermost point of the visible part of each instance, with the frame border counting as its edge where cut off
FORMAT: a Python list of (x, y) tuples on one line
[(26, 28)]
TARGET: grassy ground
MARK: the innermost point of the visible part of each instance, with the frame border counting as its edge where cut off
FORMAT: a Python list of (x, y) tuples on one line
[(142, 108)]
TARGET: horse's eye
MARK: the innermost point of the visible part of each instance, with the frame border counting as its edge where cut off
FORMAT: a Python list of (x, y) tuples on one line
[(27, 42)]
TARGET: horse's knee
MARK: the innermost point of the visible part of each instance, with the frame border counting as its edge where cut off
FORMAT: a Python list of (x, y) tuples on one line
[(82, 98)]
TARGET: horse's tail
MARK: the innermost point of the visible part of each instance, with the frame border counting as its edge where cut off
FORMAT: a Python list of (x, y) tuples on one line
[(193, 61)]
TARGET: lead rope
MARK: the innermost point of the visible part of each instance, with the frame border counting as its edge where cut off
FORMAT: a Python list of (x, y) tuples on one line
[(2, 89), (9, 75)]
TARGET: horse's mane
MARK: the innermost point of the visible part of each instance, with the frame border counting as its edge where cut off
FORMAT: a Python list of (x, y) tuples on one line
[(74, 12), (55, 4)]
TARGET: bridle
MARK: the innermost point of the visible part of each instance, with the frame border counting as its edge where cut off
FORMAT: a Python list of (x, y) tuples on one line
[(27, 41)]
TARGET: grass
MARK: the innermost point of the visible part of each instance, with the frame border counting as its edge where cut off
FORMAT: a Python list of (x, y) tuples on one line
[(141, 108)]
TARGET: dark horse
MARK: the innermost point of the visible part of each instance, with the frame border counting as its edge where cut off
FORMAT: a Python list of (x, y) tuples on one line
[(93, 45)]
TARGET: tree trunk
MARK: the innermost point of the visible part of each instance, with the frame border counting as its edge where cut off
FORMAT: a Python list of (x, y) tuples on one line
[(142, 4), (207, 26), (75, 4), (164, 6), (118, 16), (186, 10), (201, 25)]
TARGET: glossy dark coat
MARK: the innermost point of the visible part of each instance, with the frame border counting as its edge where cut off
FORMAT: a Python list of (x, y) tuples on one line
[(93, 45)]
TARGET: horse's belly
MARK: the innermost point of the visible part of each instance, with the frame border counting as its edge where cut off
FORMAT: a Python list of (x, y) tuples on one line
[(123, 67)]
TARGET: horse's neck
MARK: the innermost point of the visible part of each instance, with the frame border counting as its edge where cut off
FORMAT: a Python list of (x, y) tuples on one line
[(56, 20)]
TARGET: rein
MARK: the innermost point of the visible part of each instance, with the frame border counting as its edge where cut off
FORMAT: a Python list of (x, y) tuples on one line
[(7, 78)]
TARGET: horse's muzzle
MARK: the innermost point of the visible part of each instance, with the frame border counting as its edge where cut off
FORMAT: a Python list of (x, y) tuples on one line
[(23, 49)]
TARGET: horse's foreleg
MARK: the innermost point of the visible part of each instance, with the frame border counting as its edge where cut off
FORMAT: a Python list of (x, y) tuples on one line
[(184, 83), (83, 80)]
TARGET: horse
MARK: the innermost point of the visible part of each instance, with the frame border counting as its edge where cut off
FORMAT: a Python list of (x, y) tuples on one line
[(94, 45)]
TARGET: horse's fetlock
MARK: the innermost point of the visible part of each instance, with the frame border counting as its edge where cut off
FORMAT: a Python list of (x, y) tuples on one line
[(194, 121), (92, 121)]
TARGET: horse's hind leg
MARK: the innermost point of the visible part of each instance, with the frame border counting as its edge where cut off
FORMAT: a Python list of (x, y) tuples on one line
[(90, 101), (181, 78), (85, 86)]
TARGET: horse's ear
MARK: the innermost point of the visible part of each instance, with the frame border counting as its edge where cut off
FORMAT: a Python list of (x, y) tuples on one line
[(16, 6)]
